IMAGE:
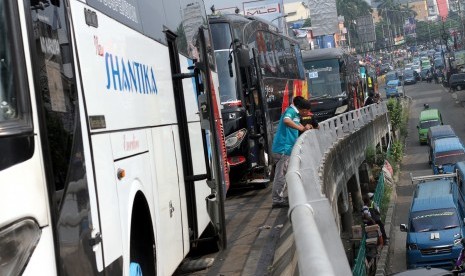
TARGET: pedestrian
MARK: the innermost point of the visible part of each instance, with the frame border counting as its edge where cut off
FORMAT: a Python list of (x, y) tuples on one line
[(370, 99), (283, 142), (371, 215)]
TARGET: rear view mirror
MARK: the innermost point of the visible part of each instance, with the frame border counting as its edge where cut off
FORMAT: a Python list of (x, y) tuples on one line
[(403, 227)]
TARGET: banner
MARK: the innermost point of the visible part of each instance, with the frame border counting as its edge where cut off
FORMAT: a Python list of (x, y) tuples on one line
[(324, 17)]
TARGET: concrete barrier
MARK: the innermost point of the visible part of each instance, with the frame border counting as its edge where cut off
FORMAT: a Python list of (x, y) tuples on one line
[(321, 163)]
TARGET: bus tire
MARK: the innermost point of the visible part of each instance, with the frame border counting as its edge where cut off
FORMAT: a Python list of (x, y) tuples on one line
[(142, 239)]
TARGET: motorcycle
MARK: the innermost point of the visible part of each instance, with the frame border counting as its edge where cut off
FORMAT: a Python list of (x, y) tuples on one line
[(459, 266)]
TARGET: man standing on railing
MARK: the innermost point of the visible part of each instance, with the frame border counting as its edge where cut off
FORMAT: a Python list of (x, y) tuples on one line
[(283, 142)]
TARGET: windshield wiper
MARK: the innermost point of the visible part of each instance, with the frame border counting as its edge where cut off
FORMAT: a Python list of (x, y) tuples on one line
[(426, 230), (450, 226), (319, 97)]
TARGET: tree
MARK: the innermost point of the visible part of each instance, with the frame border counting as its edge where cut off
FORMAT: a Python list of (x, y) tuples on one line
[(307, 23), (351, 10)]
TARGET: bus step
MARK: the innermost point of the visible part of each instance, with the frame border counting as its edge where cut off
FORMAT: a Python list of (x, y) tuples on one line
[(259, 181)]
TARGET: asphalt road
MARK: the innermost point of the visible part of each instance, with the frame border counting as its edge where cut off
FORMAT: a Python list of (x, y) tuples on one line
[(415, 161)]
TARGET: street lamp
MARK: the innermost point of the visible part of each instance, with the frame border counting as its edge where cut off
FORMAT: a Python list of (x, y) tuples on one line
[(281, 29), (279, 17)]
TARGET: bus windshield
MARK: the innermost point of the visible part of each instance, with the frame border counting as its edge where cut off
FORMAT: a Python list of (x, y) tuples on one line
[(221, 35), (324, 79)]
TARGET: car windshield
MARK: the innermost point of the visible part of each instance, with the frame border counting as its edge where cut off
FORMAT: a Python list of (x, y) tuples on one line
[(391, 77), (457, 77), (434, 220), (449, 157), (408, 73), (430, 123)]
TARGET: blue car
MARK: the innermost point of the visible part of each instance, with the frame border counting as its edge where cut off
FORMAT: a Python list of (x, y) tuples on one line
[(409, 77), (394, 89), (446, 153), (435, 225)]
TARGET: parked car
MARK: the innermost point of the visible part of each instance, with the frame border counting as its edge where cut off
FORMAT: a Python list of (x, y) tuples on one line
[(423, 74), (435, 224), (409, 77), (394, 89), (446, 152), (386, 67), (457, 81), (438, 132), (428, 118), (426, 271), (393, 75)]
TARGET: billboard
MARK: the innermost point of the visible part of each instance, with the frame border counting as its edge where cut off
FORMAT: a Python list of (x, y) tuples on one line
[(324, 17), (443, 9), (270, 10), (366, 29)]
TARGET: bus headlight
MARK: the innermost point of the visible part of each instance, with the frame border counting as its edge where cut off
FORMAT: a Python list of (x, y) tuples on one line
[(233, 140), (341, 109), (17, 242)]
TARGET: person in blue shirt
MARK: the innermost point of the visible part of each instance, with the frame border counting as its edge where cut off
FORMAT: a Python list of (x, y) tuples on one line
[(283, 142)]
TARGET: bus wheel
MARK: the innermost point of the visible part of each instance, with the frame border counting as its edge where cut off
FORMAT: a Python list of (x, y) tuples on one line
[(142, 243)]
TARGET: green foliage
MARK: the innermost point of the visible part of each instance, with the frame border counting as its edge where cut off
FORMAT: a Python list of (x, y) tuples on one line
[(370, 155), (380, 157), (307, 23), (404, 124), (395, 113), (385, 200), (397, 150), (351, 9)]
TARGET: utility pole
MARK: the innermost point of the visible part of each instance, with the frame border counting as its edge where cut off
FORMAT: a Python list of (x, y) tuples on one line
[(461, 23)]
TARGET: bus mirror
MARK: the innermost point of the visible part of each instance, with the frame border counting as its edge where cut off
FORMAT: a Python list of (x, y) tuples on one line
[(203, 112), (244, 58)]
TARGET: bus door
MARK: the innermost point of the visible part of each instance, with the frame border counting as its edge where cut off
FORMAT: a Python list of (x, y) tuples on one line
[(65, 149), (212, 138), (265, 123), (256, 115)]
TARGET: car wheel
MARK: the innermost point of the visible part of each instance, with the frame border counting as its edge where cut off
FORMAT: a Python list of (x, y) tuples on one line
[(459, 87)]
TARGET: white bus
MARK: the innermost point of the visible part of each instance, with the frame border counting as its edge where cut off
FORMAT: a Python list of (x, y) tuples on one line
[(111, 147)]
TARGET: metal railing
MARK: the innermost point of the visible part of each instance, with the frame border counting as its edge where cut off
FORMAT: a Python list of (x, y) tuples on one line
[(360, 264)]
